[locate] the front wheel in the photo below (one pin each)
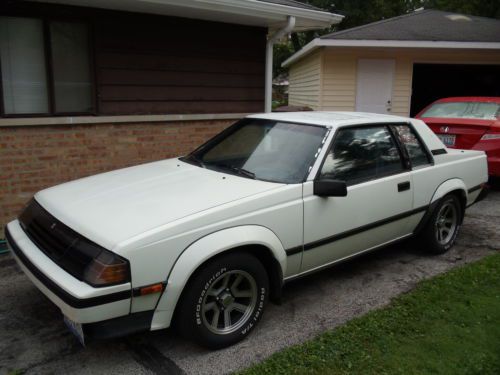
(224, 300)
(442, 229)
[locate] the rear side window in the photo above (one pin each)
(416, 151)
(362, 154)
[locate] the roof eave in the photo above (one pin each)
(409, 44)
(273, 15)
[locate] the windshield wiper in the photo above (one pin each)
(239, 171)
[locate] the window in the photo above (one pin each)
(416, 152)
(362, 154)
(263, 149)
(45, 67)
(24, 81)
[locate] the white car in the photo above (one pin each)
(203, 241)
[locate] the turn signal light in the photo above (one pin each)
(107, 269)
(156, 288)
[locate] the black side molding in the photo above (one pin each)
(439, 151)
(473, 189)
(483, 194)
(352, 232)
(294, 250)
(57, 290)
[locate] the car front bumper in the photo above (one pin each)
(77, 300)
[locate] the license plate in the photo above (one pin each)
(76, 329)
(447, 139)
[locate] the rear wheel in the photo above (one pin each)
(224, 300)
(442, 229)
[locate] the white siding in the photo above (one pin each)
(305, 82)
(339, 71)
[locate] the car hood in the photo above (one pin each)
(111, 207)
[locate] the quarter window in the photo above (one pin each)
(416, 152)
(45, 67)
(362, 154)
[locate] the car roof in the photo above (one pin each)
(330, 119)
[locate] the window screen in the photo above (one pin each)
(70, 59)
(22, 58)
(34, 83)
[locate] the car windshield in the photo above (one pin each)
(262, 149)
(471, 110)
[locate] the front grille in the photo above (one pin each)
(63, 245)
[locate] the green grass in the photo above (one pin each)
(447, 325)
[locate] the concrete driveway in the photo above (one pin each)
(34, 340)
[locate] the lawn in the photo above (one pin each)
(447, 325)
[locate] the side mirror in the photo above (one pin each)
(330, 188)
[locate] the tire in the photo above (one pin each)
(441, 231)
(224, 300)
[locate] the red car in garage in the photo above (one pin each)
(467, 123)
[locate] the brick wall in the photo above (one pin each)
(33, 158)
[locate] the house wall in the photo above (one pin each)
(34, 158)
(146, 70)
(149, 64)
(339, 73)
(305, 81)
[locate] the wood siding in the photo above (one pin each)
(305, 82)
(336, 90)
(147, 64)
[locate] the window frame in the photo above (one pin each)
(405, 162)
(46, 21)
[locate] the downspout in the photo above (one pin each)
(268, 97)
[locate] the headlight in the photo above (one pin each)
(107, 269)
(77, 255)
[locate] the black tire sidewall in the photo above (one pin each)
(429, 235)
(190, 320)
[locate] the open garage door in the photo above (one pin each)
(436, 81)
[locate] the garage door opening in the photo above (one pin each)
(436, 81)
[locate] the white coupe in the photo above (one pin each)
(202, 242)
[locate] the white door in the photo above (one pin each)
(378, 203)
(374, 85)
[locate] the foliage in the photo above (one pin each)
(447, 325)
(361, 12)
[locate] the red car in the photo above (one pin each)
(467, 123)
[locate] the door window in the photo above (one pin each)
(362, 154)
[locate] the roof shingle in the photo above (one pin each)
(426, 25)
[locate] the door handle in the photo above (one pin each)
(402, 186)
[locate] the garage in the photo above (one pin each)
(399, 65)
(435, 81)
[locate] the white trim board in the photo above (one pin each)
(247, 12)
(317, 43)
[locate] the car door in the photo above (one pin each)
(374, 212)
